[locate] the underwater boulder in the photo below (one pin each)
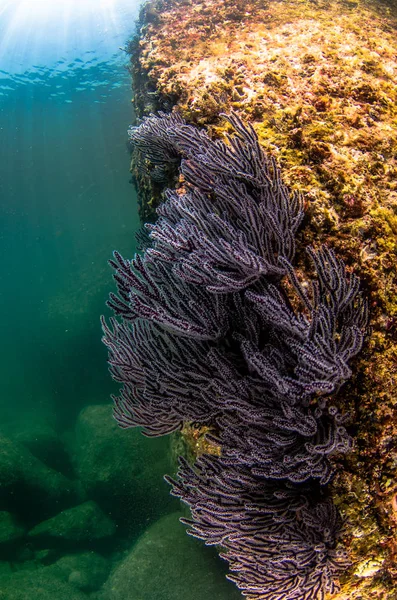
(37, 431)
(22, 476)
(46, 556)
(121, 470)
(45, 444)
(160, 566)
(86, 571)
(38, 584)
(84, 526)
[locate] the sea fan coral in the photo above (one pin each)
(218, 329)
(280, 539)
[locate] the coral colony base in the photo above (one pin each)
(217, 328)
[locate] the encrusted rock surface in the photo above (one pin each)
(319, 83)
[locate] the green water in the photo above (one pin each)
(66, 204)
(84, 509)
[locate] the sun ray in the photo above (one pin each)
(37, 32)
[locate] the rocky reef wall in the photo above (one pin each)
(318, 81)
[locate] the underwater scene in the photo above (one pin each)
(198, 229)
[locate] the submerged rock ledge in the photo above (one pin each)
(319, 84)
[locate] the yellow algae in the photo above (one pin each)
(368, 568)
(196, 443)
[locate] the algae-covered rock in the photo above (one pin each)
(167, 564)
(122, 470)
(82, 525)
(37, 585)
(86, 571)
(23, 476)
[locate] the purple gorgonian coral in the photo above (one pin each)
(215, 326)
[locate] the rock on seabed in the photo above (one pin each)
(167, 564)
(37, 585)
(22, 476)
(120, 469)
(82, 525)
